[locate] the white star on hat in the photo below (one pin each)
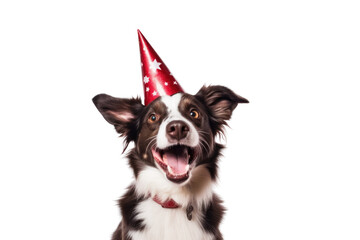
(154, 93)
(155, 65)
(166, 83)
(147, 89)
(146, 79)
(175, 83)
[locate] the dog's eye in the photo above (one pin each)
(153, 118)
(194, 114)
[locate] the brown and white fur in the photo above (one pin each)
(175, 157)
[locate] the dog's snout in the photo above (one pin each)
(177, 130)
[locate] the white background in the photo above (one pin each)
(291, 167)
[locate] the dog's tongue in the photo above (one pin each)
(178, 161)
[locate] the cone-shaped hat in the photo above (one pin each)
(157, 78)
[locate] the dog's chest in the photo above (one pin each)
(164, 224)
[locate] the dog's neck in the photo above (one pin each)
(198, 191)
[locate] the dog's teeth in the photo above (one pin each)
(187, 167)
(169, 169)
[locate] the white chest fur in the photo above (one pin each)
(165, 224)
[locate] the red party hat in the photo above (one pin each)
(157, 78)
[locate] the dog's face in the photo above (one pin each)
(174, 134)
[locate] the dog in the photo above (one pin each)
(174, 161)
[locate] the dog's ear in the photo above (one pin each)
(221, 102)
(123, 113)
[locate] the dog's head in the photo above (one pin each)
(174, 134)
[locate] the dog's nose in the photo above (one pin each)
(177, 130)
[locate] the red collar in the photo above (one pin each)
(170, 203)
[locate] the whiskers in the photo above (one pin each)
(205, 142)
(152, 143)
(203, 149)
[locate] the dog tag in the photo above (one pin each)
(189, 216)
(189, 210)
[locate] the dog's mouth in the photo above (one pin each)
(176, 161)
